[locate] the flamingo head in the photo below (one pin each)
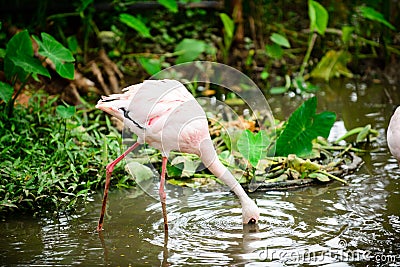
(250, 212)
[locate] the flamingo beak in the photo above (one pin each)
(252, 221)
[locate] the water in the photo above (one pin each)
(331, 225)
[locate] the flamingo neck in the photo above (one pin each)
(211, 161)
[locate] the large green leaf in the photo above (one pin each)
(303, 126)
(135, 24)
(189, 50)
(253, 146)
(29, 65)
(19, 45)
(318, 17)
(58, 54)
(372, 14)
(332, 64)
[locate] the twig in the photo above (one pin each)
(333, 176)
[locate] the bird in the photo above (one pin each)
(166, 116)
(393, 134)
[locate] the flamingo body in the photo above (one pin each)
(393, 134)
(163, 114)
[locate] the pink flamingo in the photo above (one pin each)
(393, 134)
(166, 116)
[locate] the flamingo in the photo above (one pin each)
(393, 134)
(163, 114)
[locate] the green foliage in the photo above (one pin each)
(253, 146)
(171, 5)
(280, 40)
(346, 34)
(40, 170)
(6, 92)
(84, 4)
(187, 164)
(189, 50)
(135, 24)
(20, 63)
(140, 172)
(65, 112)
(229, 30)
(372, 14)
(274, 51)
(363, 134)
(151, 65)
(229, 25)
(58, 54)
(333, 64)
(19, 60)
(303, 126)
(318, 17)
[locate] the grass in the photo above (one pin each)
(48, 163)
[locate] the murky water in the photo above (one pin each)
(332, 225)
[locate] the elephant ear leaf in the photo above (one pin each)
(303, 126)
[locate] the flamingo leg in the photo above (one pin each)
(162, 193)
(109, 170)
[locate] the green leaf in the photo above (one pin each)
(58, 54)
(274, 51)
(303, 126)
(278, 90)
(318, 17)
(2, 53)
(363, 134)
(19, 45)
(151, 65)
(73, 44)
(253, 146)
(332, 64)
(65, 112)
(189, 50)
(372, 14)
(83, 5)
(139, 171)
(346, 33)
(304, 86)
(320, 176)
(264, 74)
(30, 65)
(6, 91)
(229, 25)
(171, 5)
(190, 165)
(280, 40)
(135, 24)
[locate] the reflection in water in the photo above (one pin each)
(350, 225)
